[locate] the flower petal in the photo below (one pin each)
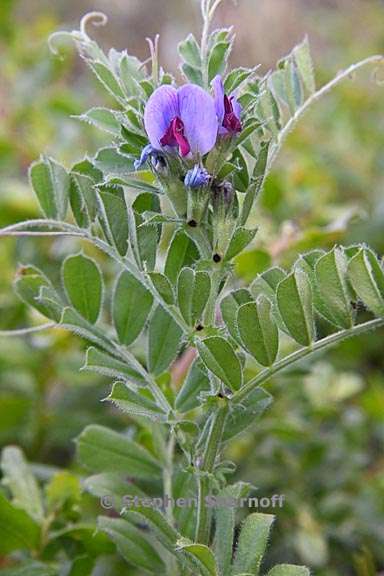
(237, 108)
(160, 110)
(197, 111)
(218, 91)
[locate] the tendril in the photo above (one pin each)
(95, 18)
(55, 37)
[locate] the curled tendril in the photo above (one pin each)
(54, 37)
(95, 18)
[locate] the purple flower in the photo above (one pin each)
(183, 118)
(197, 177)
(228, 109)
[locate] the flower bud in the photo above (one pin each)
(197, 181)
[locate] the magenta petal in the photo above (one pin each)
(160, 110)
(198, 114)
(218, 91)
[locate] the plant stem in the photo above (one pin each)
(203, 481)
(327, 342)
(168, 493)
(210, 310)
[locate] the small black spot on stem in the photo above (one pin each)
(216, 258)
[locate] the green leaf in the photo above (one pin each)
(83, 199)
(307, 263)
(225, 517)
(219, 356)
(217, 59)
(131, 305)
(241, 176)
(266, 111)
(288, 69)
(115, 487)
(102, 363)
(134, 403)
(156, 521)
(18, 477)
(182, 252)
(235, 78)
(102, 450)
(29, 568)
(113, 212)
(108, 80)
(201, 554)
(194, 75)
(367, 279)
(131, 73)
(289, 570)
(189, 50)
(83, 285)
(246, 414)
(63, 488)
(86, 168)
(196, 381)
(82, 566)
(51, 183)
(28, 285)
(193, 290)
(294, 300)
(276, 83)
(258, 331)
(102, 118)
(252, 543)
(131, 544)
(18, 530)
(72, 321)
(148, 239)
(111, 163)
(331, 277)
(162, 286)
(257, 183)
(229, 307)
(239, 240)
(303, 59)
(164, 340)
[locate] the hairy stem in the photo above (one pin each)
(29, 330)
(203, 481)
(323, 344)
(168, 494)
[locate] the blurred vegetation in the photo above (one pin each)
(321, 443)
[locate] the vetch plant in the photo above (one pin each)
(182, 175)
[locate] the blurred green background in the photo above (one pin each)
(321, 443)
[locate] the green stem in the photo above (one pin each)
(210, 310)
(323, 344)
(168, 494)
(203, 481)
